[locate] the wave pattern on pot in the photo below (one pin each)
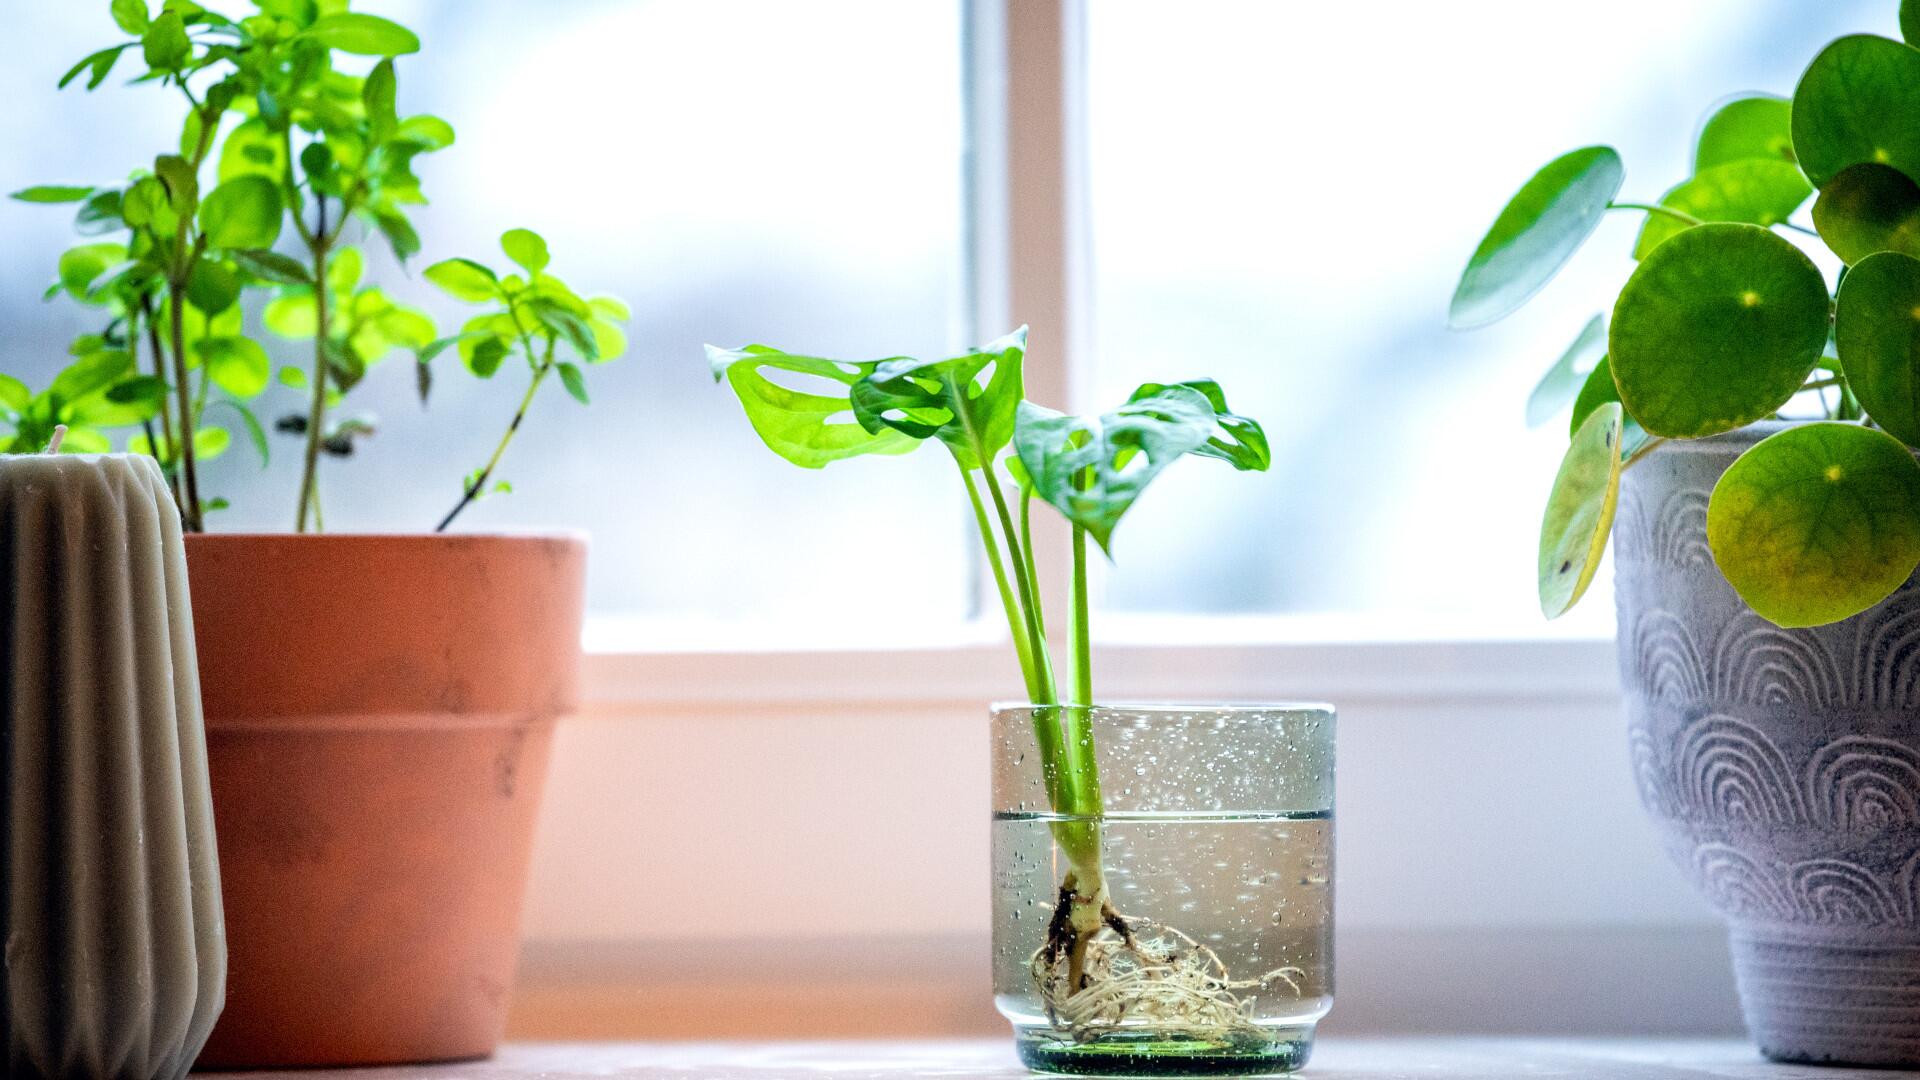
(1782, 768)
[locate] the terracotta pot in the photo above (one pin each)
(378, 715)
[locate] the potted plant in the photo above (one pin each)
(378, 707)
(1753, 425)
(1173, 918)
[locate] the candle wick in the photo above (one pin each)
(59, 433)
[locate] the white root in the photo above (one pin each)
(1162, 980)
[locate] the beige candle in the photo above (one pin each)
(115, 959)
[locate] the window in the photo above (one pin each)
(732, 168)
(1282, 196)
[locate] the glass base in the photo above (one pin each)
(1147, 1053)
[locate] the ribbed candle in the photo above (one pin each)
(115, 960)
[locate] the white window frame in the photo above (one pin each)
(1025, 237)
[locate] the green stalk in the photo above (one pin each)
(317, 411)
(1022, 646)
(479, 484)
(176, 297)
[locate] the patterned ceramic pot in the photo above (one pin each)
(1783, 770)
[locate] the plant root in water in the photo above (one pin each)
(1135, 973)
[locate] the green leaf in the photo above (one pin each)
(1091, 469)
(946, 399)
(1597, 391)
(1877, 327)
(525, 247)
(1540, 229)
(293, 377)
(575, 382)
(99, 214)
(84, 440)
(344, 269)
(255, 432)
(1563, 380)
(376, 96)
(14, 393)
(212, 287)
(91, 374)
(1573, 532)
(557, 319)
(486, 356)
(53, 193)
(83, 265)
(1856, 103)
(610, 307)
(164, 44)
(609, 341)
(292, 315)
(178, 179)
(141, 389)
(271, 266)
(426, 132)
(363, 35)
(1817, 523)
(803, 426)
(1757, 191)
(1717, 328)
(98, 64)
(211, 442)
(253, 149)
(1869, 208)
(1745, 128)
(1237, 440)
(1910, 22)
(244, 212)
(131, 16)
(237, 365)
(464, 279)
(399, 233)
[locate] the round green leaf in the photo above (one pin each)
(237, 365)
(213, 287)
(81, 266)
(292, 315)
(464, 279)
(526, 247)
(252, 149)
(1563, 380)
(243, 212)
(1745, 128)
(363, 35)
(1573, 533)
(1877, 326)
(1758, 191)
(1598, 391)
(1856, 103)
(1540, 229)
(1717, 328)
(211, 442)
(1910, 22)
(1869, 208)
(1818, 522)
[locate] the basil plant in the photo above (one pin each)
(291, 150)
(1725, 320)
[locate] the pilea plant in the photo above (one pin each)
(1726, 321)
(1091, 469)
(292, 140)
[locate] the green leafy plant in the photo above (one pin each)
(1726, 321)
(280, 144)
(1009, 451)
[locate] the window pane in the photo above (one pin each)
(1282, 197)
(736, 169)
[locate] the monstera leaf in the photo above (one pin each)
(967, 402)
(800, 425)
(1091, 469)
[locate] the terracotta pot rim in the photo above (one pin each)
(543, 536)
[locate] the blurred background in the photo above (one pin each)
(1279, 195)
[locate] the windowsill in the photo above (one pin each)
(637, 662)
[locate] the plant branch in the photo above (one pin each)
(1683, 218)
(1082, 636)
(317, 410)
(1022, 646)
(168, 448)
(1650, 446)
(479, 484)
(189, 471)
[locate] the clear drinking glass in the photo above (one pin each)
(1215, 836)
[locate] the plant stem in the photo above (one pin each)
(1796, 228)
(1028, 591)
(1650, 447)
(169, 448)
(1026, 549)
(317, 411)
(480, 482)
(1022, 646)
(1685, 219)
(190, 474)
(1082, 636)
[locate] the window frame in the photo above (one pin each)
(1025, 239)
